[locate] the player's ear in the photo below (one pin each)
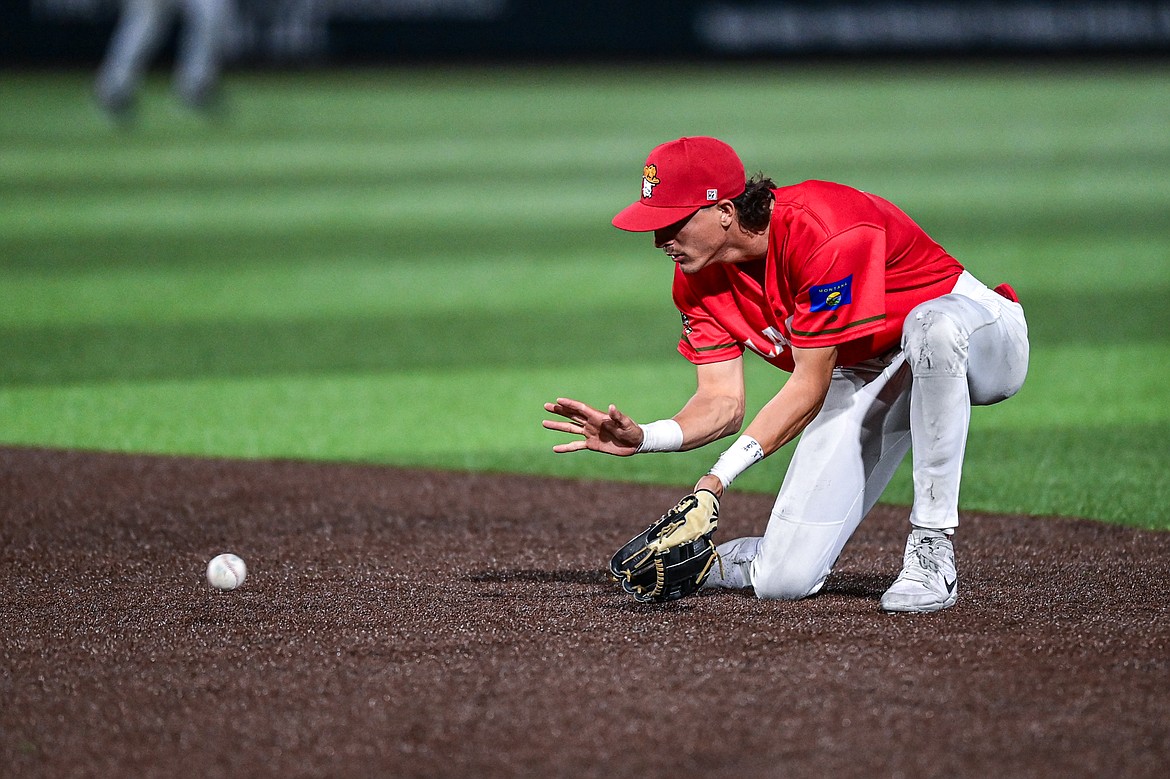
(727, 213)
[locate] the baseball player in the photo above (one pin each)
(142, 28)
(888, 339)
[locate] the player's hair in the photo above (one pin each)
(754, 207)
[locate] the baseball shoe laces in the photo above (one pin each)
(928, 581)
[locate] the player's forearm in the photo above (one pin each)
(777, 423)
(787, 414)
(798, 402)
(707, 418)
(780, 420)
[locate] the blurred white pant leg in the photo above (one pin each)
(141, 29)
(202, 47)
(842, 464)
(967, 348)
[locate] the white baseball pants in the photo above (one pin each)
(143, 28)
(963, 349)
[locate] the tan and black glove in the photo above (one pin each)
(671, 558)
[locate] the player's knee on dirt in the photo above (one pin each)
(935, 343)
(789, 582)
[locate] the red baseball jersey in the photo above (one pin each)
(844, 268)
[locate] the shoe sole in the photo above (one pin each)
(920, 608)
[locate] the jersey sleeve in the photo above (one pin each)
(703, 339)
(839, 291)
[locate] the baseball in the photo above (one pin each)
(226, 572)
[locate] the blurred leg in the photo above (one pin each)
(140, 31)
(201, 50)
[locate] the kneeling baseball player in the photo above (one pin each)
(889, 342)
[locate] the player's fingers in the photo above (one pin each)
(620, 420)
(581, 413)
(554, 409)
(570, 407)
(572, 446)
(562, 427)
(564, 410)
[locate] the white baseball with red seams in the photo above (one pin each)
(226, 572)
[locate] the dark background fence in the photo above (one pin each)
(74, 32)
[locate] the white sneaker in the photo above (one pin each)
(733, 569)
(928, 581)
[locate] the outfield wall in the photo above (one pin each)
(64, 32)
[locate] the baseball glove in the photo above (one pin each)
(671, 558)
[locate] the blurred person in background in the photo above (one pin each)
(142, 28)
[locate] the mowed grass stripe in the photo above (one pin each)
(400, 266)
(344, 287)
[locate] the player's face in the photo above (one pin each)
(695, 242)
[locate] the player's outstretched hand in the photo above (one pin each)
(611, 432)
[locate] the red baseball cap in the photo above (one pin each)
(681, 177)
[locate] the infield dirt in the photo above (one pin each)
(429, 624)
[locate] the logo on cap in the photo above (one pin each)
(712, 194)
(649, 180)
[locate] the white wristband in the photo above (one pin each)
(665, 435)
(743, 454)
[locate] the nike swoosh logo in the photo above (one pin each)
(950, 585)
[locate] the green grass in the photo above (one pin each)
(400, 266)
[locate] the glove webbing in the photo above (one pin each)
(660, 573)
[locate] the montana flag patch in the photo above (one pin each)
(829, 296)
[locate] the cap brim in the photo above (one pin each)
(638, 217)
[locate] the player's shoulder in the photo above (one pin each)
(816, 191)
(818, 209)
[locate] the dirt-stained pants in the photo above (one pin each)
(963, 349)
